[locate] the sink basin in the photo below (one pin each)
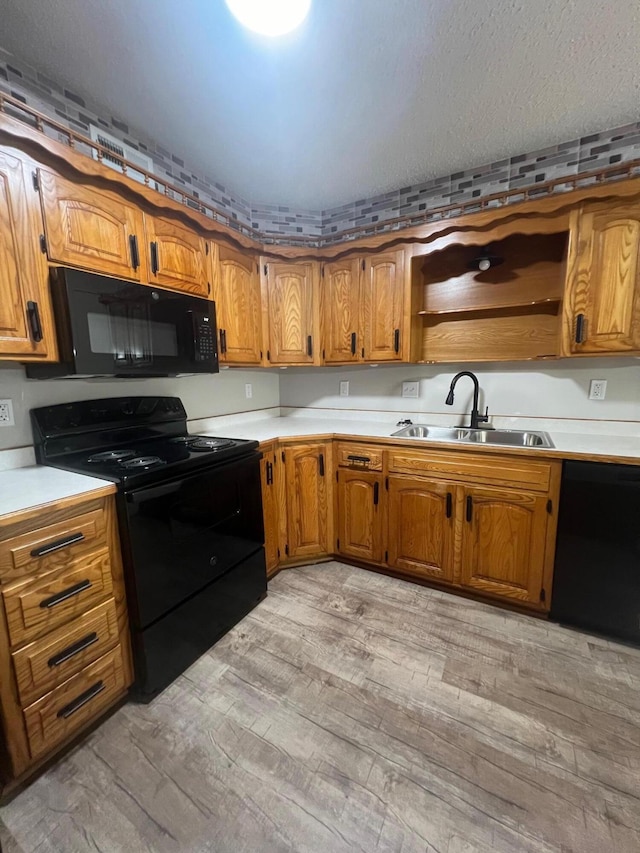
(505, 437)
(438, 433)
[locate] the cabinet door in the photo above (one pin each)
(421, 527)
(359, 515)
(383, 298)
(504, 543)
(307, 500)
(291, 308)
(177, 256)
(602, 313)
(236, 290)
(92, 229)
(340, 284)
(270, 510)
(26, 328)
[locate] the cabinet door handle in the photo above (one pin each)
(133, 251)
(321, 464)
(59, 597)
(363, 460)
(396, 340)
(57, 545)
(354, 338)
(580, 329)
(223, 340)
(269, 473)
(81, 700)
(72, 650)
(449, 504)
(155, 266)
(309, 346)
(469, 508)
(376, 493)
(33, 313)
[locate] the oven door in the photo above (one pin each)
(183, 535)
(125, 329)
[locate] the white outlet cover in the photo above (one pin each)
(597, 389)
(248, 390)
(6, 413)
(410, 389)
(344, 388)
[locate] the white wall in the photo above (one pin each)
(203, 396)
(549, 390)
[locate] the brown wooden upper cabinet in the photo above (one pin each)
(177, 256)
(291, 313)
(92, 229)
(236, 291)
(26, 326)
(363, 309)
(602, 305)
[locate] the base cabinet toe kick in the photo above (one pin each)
(479, 524)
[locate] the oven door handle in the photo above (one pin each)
(153, 492)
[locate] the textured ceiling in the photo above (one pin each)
(369, 96)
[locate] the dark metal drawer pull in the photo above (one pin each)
(449, 504)
(353, 343)
(73, 650)
(133, 251)
(396, 340)
(269, 473)
(469, 508)
(580, 329)
(81, 700)
(155, 265)
(57, 545)
(59, 597)
(364, 459)
(376, 493)
(309, 346)
(321, 464)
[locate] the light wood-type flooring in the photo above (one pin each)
(354, 712)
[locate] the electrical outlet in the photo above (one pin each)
(6, 413)
(344, 388)
(597, 389)
(410, 389)
(248, 390)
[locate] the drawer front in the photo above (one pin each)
(75, 703)
(359, 456)
(470, 468)
(36, 606)
(46, 663)
(54, 546)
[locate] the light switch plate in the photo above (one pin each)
(344, 388)
(248, 390)
(410, 389)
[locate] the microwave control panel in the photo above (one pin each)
(204, 336)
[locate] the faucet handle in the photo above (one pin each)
(483, 419)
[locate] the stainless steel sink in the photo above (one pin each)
(434, 432)
(505, 437)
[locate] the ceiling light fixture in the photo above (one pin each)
(270, 17)
(485, 260)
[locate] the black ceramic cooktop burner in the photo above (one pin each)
(111, 456)
(142, 462)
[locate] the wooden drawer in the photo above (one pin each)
(34, 607)
(75, 703)
(54, 546)
(46, 663)
(359, 456)
(470, 468)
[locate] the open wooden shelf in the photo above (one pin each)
(509, 312)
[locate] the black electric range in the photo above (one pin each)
(190, 519)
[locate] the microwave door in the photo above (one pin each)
(118, 326)
(140, 337)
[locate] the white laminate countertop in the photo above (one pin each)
(566, 444)
(26, 488)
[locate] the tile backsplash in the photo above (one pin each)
(279, 223)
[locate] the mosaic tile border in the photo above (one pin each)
(382, 212)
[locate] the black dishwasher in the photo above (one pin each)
(597, 570)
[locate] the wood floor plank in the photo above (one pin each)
(355, 712)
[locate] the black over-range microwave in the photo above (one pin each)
(109, 327)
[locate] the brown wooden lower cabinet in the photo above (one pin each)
(480, 522)
(420, 527)
(64, 636)
(504, 543)
(359, 522)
